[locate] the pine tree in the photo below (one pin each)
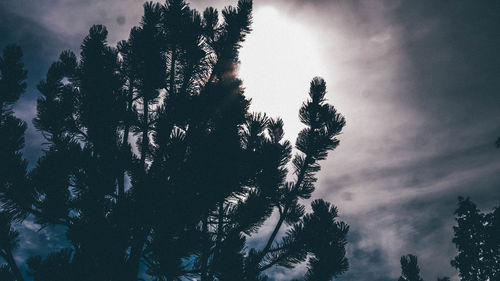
(9, 241)
(13, 166)
(56, 267)
(154, 162)
(410, 270)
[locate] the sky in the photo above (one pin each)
(417, 81)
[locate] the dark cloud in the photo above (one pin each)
(421, 93)
(368, 262)
(40, 48)
(121, 20)
(453, 47)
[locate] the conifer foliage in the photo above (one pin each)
(13, 167)
(155, 166)
(410, 271)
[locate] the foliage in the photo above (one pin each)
(56, 267)
(13, 167)
(477, 238)
(410, 271)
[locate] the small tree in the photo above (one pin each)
(9, 240)
(410, 271)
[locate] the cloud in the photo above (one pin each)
(418, 84)
(40, 47)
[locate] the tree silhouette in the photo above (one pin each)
(13, 167)
(477, 241)
(56, 267)
(468, 236)
(5, 273)
(9, 239)
(410, 271)
(154, 164)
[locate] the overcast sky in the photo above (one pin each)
(418, 82)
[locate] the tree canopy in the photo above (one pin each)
(155, 166)
(477, 238)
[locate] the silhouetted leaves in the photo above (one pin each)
(13, 75)
(326, 251)
(9, 238)
(410, 271)
(55, 267)
(13, 182)
(12, 173)
(477, 238)
(6, 273)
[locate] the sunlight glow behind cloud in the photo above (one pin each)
(278, 60)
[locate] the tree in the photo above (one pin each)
(410, 270)
(13, 166)
(9, 240)
(492, 243)
(468, 238)
(153, 160)
(477, 241)
(56, 267)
